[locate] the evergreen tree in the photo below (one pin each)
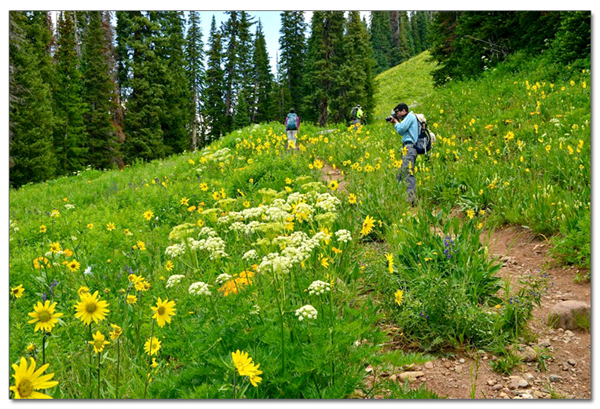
(69, 131)
(573, 38)
(442, 46)
(381, 40)
(241, 117)
(110, 56)
(238, 61)
(325, 56)
(39, 32)
(262, 78)
(99, 94)
(142, 88)
(404, 37)
(395, 55)
(170, 61)
(423, 19)
(277, 107)
(467, 43)
(414, 30)
(214, 96)
(245, 52)
(124, 32)
(293, 46)
(230, 35)
(30, 129)
(355, 74)
(196, 76)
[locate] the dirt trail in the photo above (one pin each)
(568, 368)
(329, 174)
(568, 362)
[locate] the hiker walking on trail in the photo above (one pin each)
(357, 115)
(407, 126)
(292, 124)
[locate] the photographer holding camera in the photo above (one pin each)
(406, 124)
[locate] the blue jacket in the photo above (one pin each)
(408, 128)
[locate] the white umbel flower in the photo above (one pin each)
(318, 287)
(222, 278)
(343, 236)
(308, 311)
(174, 280)
(199, 288)
(250, 255)
(175, 250)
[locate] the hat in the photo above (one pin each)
(358, 105)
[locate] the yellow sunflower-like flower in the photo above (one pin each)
(169, 265)
(116, 332)
(367, 226)
(99, 342)
(148, 215)
(333, 185)
(83, 290)
(245, 367)
(73, 265)
(390, 259)
(352, 198)
(55, 247)
(163, 311)
(152, 346)
(91, 308)
(44, 316)
(28, 380)
(139, 284)
(131, 299)
(43, 229)
(398, 295)
(17, 291)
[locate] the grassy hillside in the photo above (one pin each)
(247, 239)
(408, 82)
(515, 144)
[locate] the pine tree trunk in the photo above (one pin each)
(395, 28)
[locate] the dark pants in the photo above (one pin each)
(407, 172)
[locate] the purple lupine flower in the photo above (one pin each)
(44, 296)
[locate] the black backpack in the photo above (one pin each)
(353, 113)
(423, 144)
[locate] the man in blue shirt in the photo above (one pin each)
(408, 129)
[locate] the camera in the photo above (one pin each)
(393, 116)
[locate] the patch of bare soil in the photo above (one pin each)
(329, 174)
